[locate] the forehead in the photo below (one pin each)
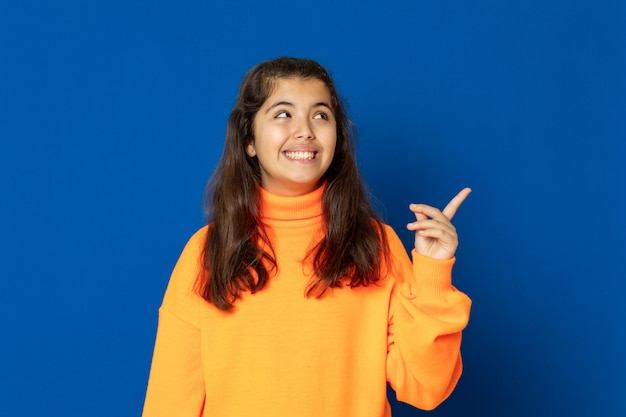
(295, 88)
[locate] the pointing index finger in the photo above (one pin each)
(456, 202)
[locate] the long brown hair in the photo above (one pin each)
(355, 243)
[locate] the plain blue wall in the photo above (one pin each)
(112, 115)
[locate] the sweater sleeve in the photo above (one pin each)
(176, 383)
(426, 317)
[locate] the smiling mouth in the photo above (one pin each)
(301, 155)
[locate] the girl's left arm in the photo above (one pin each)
(427, 313)
(426, 317)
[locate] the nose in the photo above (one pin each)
(304, 130)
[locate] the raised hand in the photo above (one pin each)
(435, 236)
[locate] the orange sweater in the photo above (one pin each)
(283, 354)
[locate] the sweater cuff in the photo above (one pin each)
(432, 277)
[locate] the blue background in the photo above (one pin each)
(112, 117)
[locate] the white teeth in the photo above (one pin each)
(300, 155)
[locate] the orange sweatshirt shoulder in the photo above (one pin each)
(181, 297)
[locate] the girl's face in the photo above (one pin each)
(295, 133)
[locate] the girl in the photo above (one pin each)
(296, 300)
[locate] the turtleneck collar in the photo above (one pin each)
(277, 207)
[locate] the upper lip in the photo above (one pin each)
(301, 149)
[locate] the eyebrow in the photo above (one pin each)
(290, 104)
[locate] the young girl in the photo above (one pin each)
(296, 300)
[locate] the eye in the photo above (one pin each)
(321, 115)
(282, 114)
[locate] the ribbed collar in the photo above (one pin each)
(276, 207)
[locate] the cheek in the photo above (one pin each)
(329, 153)
(331, 144)
(269, 135)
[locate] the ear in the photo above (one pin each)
(250, 150)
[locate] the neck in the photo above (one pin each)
(279, 207)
